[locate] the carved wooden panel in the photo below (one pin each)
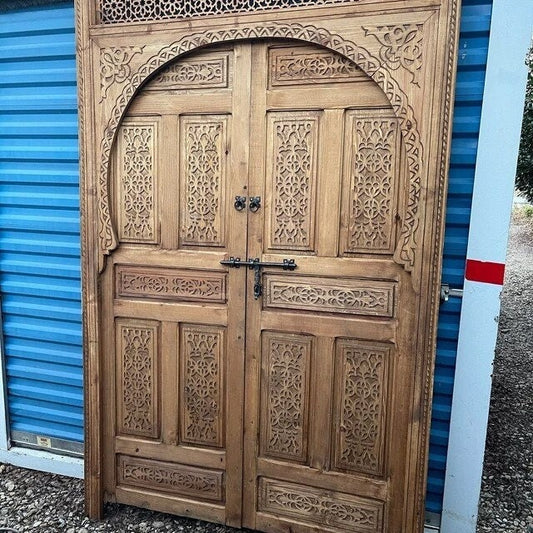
(326, 508)
(371, 167)
(203, 170)
(285, 395)
(291, 179)
(202, 385)
(305, 65)
(137, 378)
(356, 296)
(137, 186)
(361, 401)
(183, 480)
(170, 284)
(209, 72)
(112, 12)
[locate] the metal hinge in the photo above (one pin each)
(446, 292)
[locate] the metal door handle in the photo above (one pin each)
(240, 203)
(255, 203)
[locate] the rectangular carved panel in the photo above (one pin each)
(371, 167)
(202, 385)
(306, 65)
(203, 170)
(136, 175)
(198, 73)
(291, 179)
(356, 296)
(170, 284)
(361, 383)
(137, 378)
(284, 395)
(326, 508)
(183, 480)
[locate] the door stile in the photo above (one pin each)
(239, 176)
(256, 224)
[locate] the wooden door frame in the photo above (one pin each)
(115, 61)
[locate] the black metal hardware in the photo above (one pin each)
(240, 203)
(256, 265)
(255, 203)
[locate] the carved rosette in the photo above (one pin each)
(406, 250)
(401, 46)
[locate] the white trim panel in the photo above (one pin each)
(43, 461)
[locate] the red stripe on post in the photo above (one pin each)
(485, 271)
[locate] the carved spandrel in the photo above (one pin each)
(361, 392)
(202, 385)
(115, 65)
(183, 480)
(284, 396)
(299, 66)
(371, 170)
(167, 284)
(199, 73)
(136, 182)
(137, 381)
(293, 141)
(323, 507)
(204, 159)
(357, 297)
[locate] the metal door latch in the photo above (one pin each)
(256, 265)
(447, 292)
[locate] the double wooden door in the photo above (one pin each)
(286, 410)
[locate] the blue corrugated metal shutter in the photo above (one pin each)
(473, 45)
(39, 222)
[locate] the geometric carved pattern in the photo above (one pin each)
(293, 180)
(179, 479)
(286, 361)
(202, 386)
(401, 46)
(193, 74)
(204, 148)
(323, 507)
(357, 297)
(372, 156)
(117, 11)
(175, 285)
(137, 187)
(137, 398)
(360, 411)
(314, 66)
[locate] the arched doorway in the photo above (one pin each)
(273, 391)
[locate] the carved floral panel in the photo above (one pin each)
(284, 395)
(299, 66)
(324, 508)
(137, 379)
(371, 169)
(202, 385)
(183, 480)
(136, 182)
(357, 297)
(203, 169)
(360, 411)
(292, 178)
(170, 284)
(200, 73)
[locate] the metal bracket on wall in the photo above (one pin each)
(447, 292)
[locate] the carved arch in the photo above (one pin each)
(405, 253)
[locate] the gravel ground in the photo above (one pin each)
(44, 503)
(507, 491)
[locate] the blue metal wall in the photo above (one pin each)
(39, 222)
(39, 239)
(473, 46)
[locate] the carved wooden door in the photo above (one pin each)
(329, 345)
